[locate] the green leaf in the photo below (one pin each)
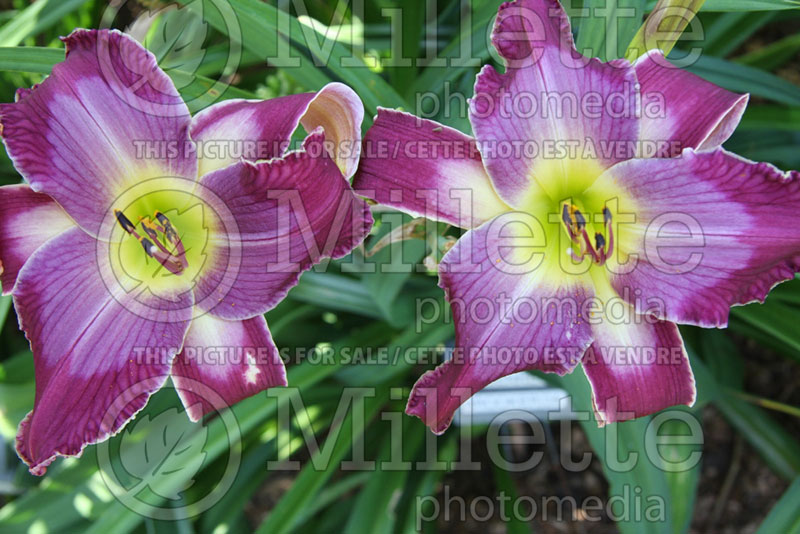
(197, 90)
(663, 27)
(721, 356)
(333, 492)
(176, 38)
(770, 117)
(110, 515)
(419, 491)
(404, 351)
(310, 481)
(744, 5)
(336, 292)
(621, 443)
(682, 483)
(16, 401)
(785, 515)
(776, 146)
(264, 29)
(200, 92)
(776, 320)
(776, 446)
(176, 524)
(773, 55)
(506, 485)
(410, 16)
(5, 306)
(750, 5)
(36, 18)
(728, 31)
(464, 54)
(744, 79)
(33, 59)
(389, 269)
(373, 512)
(251, 475)
(63, 504)
(609, 28)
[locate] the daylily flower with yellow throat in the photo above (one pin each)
(600, 211)
(147, 243)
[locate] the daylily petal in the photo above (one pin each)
(509, 316)
(99, 352)
(554, 115)
(683, 109)
(637, 367)
(22, 92)
(252, 130)
(426, 169)
(287, 214)
(712, 231)
(106, 118)
(27, 221)
(232, 359)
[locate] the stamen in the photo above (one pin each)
(567, 220)
(124, 222)
(149, 248)
(580, 220)
(609, 231)
(169, 262)
(170, 233)
(589, 247)
(152, 230)
(149, 228)
(152, 244)
(575, 223)
(599, 241)
(575, 257)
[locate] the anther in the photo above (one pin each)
(169, 231)
(588, 247)
(599, 241)
(149, 248)
(600, 247)
(567, 220)
(149, 228)
(152, 230)
(124, 222)
(580, 220)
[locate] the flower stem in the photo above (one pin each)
(768, 403)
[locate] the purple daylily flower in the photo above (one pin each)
(147, 243)
(600, 211)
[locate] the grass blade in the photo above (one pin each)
(785, 515)
(744, 79)
(36, 18)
